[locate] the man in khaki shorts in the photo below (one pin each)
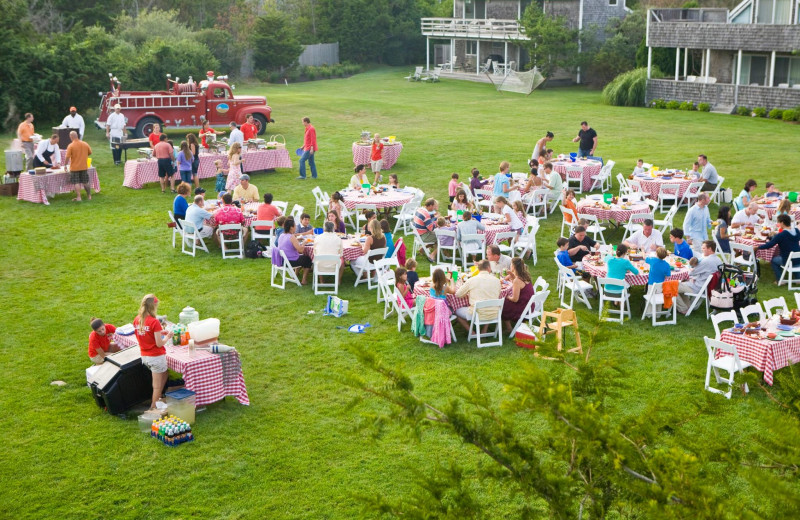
(78, 153)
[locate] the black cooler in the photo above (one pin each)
(121, 382)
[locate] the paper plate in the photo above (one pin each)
(784, 327)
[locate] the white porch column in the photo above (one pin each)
(685, 61)
(739, 68)
(505, 55)
(477, 57)
(677, 62)
(708, 63)
(649, 60)
(772, 70)
(452, 55)
(427, 53)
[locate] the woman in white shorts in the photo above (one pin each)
(152, 338)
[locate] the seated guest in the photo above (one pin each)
(659, 268)
(279, 222)
(387, 232)
(747, 195)
(336, 203)
(784, 207)
(533, 181)
(100, 342)
(706, 267)
(694, 172)
(442, 285)
(461, 203)
(180, 204)
(305, 227)
(498, 261)
(196, 214)
(424, 224)
(375, 240)
(394, 182)
(295, 252)
(509, 215)
(569, 203)
(546, 156)
(723, 222)
(245, 191)
(580, 244)
(618, 267)
(338, 225)
(710, 177)
(359, 178)
(267, 211)
(682, 247)
(639, 167)
(502, 182)
(370, 215)
(481, 287)
(772, 191)
(476, 183)
(788, 242)
(401, 284)
(645, 239)
(411, 267)
(329, 243)
(747, 217)
(554, 182)
(521, 292)
(230, 214)
(563, 254)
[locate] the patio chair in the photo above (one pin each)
(367, 274)
(744, 256)
(526, 243)
(654, 303)
(538, 203)
(594, 227)
(191, 240)
(419, 244)
(321, 201)
(359, 211)
(281, 267)
(622, 298)
(403, 311)
(487, 68)
(565, 224)
(319, 272)
(500, 240)
(281, 205)
(482, 200)
(453, 248)
(753, 309)
(404, 218)
(578, 288)
(721, 317)
(414, 76)
(603, 179)
(575, 178)
(176, 229)
(730, 363)
(268, 235)
(533, 311)
(477, 323)
(690, 195)
(663, 225)
(231, 242)
(668, 192)
(702, 294)
(634, 224)
(297, 210)
(791, 271)
(432, 77)
(540, 284)
(716, 195)
(472, 245)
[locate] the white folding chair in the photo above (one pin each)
(654, 306)
(576, 286)
(386, 286)
(665, 224)
(635, 189)
(691, 193)
(668, 192)
(176, 230)
(555, 202)
(281, 205)
(268, 235)
(778, 304)
(594, 227)
(446, 235)
(729, 362)
(538, 203)
(702, 294)
(231, 243)
(565, 223)
(191, 240)
(575, 179)
(540, 284)
(527, 241)
(532, 312)
(472, 245)
(477, 323)
(402, 310)
(404, 218)
(297, 210)
(725, 257)
(419, 244)
(359, 211)
(624, 188)
(716, 195)
(721, 317)
(367, 273)
(484, 199)
(744, 256)
(320, 202)
(281, 267)
(321, 271)
(602, 180)
(791, 271)
(750, 310)
(506, 236)
(621, 298)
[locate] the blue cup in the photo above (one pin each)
(317, 230)
(477, 216)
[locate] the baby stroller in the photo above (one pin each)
(733, 288)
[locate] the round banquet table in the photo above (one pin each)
(770, 206)
(599, 271)
(383, 200)
(422, 288)
(492, 229)
(610, 212)
(761, 254)
(589, 168)
(350, 250)
(362, 152)
(249, 211)
(652, 185)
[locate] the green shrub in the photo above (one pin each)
(760, 112)
(627, 89)
(775, 113)
(311, 73)
(673, 105)
(704, 107)
(658, 103)
(789, 115)
(686, 105)
(274, 77)
(743, 111)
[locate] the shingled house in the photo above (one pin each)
(746, 55)
(485, 35)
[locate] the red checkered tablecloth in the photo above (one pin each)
(391, 152)
(771, 207)
(211, 376)
(386, 199)
(453, 302)
(599, 271)
(765, 355)
(350, 252)
(761, 254)
(652, 185)
(37, 188)
(139, 173)
(614, 212)
(588, 170)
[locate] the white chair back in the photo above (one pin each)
(230, 240)
(728, 361)
(722, 317)
(326, 266)
(477, 323)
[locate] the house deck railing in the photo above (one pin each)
(488, 29)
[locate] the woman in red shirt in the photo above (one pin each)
(100, 340)
(206, 130)
(151, 340)
(376, 158)
(155, 135)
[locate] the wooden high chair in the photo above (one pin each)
(564, 318)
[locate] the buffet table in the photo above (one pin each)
(362, 153)
(139, 172)
(383, 200)
(37, 188)
(588, 167)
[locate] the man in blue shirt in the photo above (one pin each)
(682, 248)
(659, 268)
(710, 177)
(707, 266)
(195, 215)
(788, 242)
(697, 222)
(502, 184)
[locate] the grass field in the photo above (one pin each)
(292, 454)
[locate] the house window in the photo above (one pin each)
(612, 3)
(754, 70)
(787, 71)
(475, 9)
(472, 48)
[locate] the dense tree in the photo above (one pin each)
(552, 44)
(275, 45)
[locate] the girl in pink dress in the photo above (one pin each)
(234, 166)
(401, 282)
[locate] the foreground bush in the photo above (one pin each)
(743, 111)
(775, 113)
(704, 107)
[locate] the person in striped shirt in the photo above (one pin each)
(425, 222)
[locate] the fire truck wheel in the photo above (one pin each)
(145, 126)
(261, 123)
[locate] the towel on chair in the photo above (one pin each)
(418, 321)
(401, 252)
(441, 322)
(670, 290)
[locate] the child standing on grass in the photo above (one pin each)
(221, 176)
(411, 276)
(452, 188)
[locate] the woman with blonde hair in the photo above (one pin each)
(234, 166)
(152, 338)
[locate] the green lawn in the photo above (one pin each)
(292, 453)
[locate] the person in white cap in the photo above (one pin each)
(209, 79)
(74, 121)
(115, 130)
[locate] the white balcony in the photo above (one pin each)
(460, 28)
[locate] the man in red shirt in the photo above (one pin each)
(230, 214)
(268, 212)
(249, 129)
(100, 341)
(155, 135)
(309, 147)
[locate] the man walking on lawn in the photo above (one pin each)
(309, 147)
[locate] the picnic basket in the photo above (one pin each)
(275, 144)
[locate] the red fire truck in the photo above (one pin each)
(183, 105)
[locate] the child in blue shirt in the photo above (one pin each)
(618, 267)
(563, 254)
(682, 247)
(221, 176)
(659, 268)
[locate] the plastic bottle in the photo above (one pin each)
(191, 348)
